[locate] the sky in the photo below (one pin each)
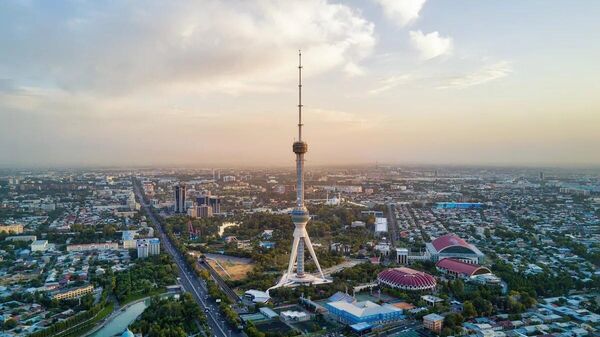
(205, 83)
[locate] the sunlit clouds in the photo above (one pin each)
(215, 83)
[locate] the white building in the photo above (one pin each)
(294, 316)
(39, 245)
(257, 296)
(129, 241)
(142, 249)
(383, 248)
(154, 246)
(358, 224)
(148, 247)
(381, 225)
(402, 256)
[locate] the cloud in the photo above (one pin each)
(352, 69)
(402, 12)
(200, 46)
(390, 83)
(430, 45)
(486, 74)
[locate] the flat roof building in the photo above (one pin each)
(39, 245)
(73, 293)
(93, 246)
(363, 312)
(433, 322)
(15, 229)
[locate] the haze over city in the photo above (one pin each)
(313, 168)
(208, 82)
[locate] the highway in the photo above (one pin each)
(392, 224)
(188, 279)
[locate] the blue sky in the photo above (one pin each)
(213, 83)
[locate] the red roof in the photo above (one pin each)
(460, 267)
(407, 278)
(448, 240)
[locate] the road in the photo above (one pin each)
(398, 329)
(344, 265)
(393, 224)
(188, 279)
(224, 287)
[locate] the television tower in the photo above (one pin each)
(300, 216)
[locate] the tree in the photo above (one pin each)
(87, 301)
(9, 324)
(108, 230)
(469, 310)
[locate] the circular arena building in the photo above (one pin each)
(406, 279)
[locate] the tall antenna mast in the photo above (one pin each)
(299, 95)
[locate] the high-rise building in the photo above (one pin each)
(142, 249)
(402, 256)
(148, 247)
(154, 246)
(204, 211)
(179, 191)
(212, 201)
(192, 212)
(296, 274)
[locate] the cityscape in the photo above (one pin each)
(220, 233)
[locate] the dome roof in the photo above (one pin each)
(449, 240)
(461, 267)
(127, 333)
(407, 278)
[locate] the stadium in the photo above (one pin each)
(452, 246)
(406, 279)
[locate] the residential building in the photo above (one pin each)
(14, 229)
(142, 249)
(39, 245)
(93, 246)
(73, 293)
(433, 322)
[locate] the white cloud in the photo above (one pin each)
(205, 45)
(352, 69)
(390, 83)
(486, 74)
(402, 12)
(430, 45)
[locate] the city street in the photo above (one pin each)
(190, 281)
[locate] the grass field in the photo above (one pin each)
(235, 270)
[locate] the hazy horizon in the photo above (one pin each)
(407, 82)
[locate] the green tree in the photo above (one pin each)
(469, 310)
(9, 324)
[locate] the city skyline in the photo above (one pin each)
(89, 84)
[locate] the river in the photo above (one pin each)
(122, 320)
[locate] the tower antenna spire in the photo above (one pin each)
(300, 95)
